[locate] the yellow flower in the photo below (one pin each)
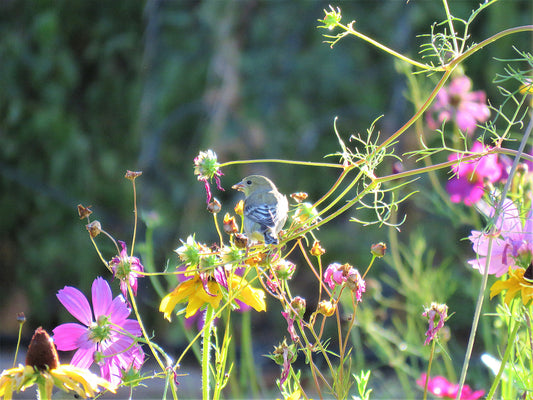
(44, 370)
(255, 298)
(193, 291)
(514, 284)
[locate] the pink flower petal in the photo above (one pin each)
(76, 304)
(68, 336)
(118, 310)
(83, 358)
(101, 295)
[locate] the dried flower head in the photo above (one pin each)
(299, 196)
(206, 167)
(229, 224)
(83, 211)
(378, 249)
(214, 206)
(131, 175)
(436, 315)
(94, 228)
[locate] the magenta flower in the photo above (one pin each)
(471, 176)
(512, 244)
(102, 336)
(443, 389)
(126, 269)
(456, 102)
(436, 313)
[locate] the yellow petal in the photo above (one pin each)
(246, 293)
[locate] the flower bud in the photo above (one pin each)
(230, 225)
(378, 249)
(284, 269)
(299, 196)
(327, 308)
(214, 206)
(299, 304)
(239, 208)
(131, 175)
(317, 249)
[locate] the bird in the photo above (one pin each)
(265, 209)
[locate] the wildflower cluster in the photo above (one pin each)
(266, 244)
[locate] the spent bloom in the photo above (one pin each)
(126, 268)
(471, 176)
(337, 274)
(458, 103)
(105, 334)
(440, 387)
(512, 240)
(43, 368)
(206, 167)
(436, 315)
(284, 355)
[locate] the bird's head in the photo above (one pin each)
(252, 183)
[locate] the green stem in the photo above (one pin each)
(248, 375)
(450, 24)
(349, 29)
(431, 355)
(206, 347)
(510, 346)
(275, 160)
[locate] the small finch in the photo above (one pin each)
(265, 209)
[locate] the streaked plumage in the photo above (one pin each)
(265, 209)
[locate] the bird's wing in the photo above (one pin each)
(264, 214)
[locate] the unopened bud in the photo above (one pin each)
(239, 208)
(317, 249)
(327, 308)
(378, 249)
(214, 206)
(299, 304)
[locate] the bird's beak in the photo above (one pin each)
(238, 186)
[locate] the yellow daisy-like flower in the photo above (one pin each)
(193, 291)
(514, 284)
(255, 298)
(66, 377)
(42, 368)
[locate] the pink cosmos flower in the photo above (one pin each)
(101, 336)
(126, 269)
(443, 389)
(512, 245)
(456, 102)
(471, 176)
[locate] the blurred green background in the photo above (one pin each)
(89, 89)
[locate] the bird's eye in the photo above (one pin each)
(248, 182)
